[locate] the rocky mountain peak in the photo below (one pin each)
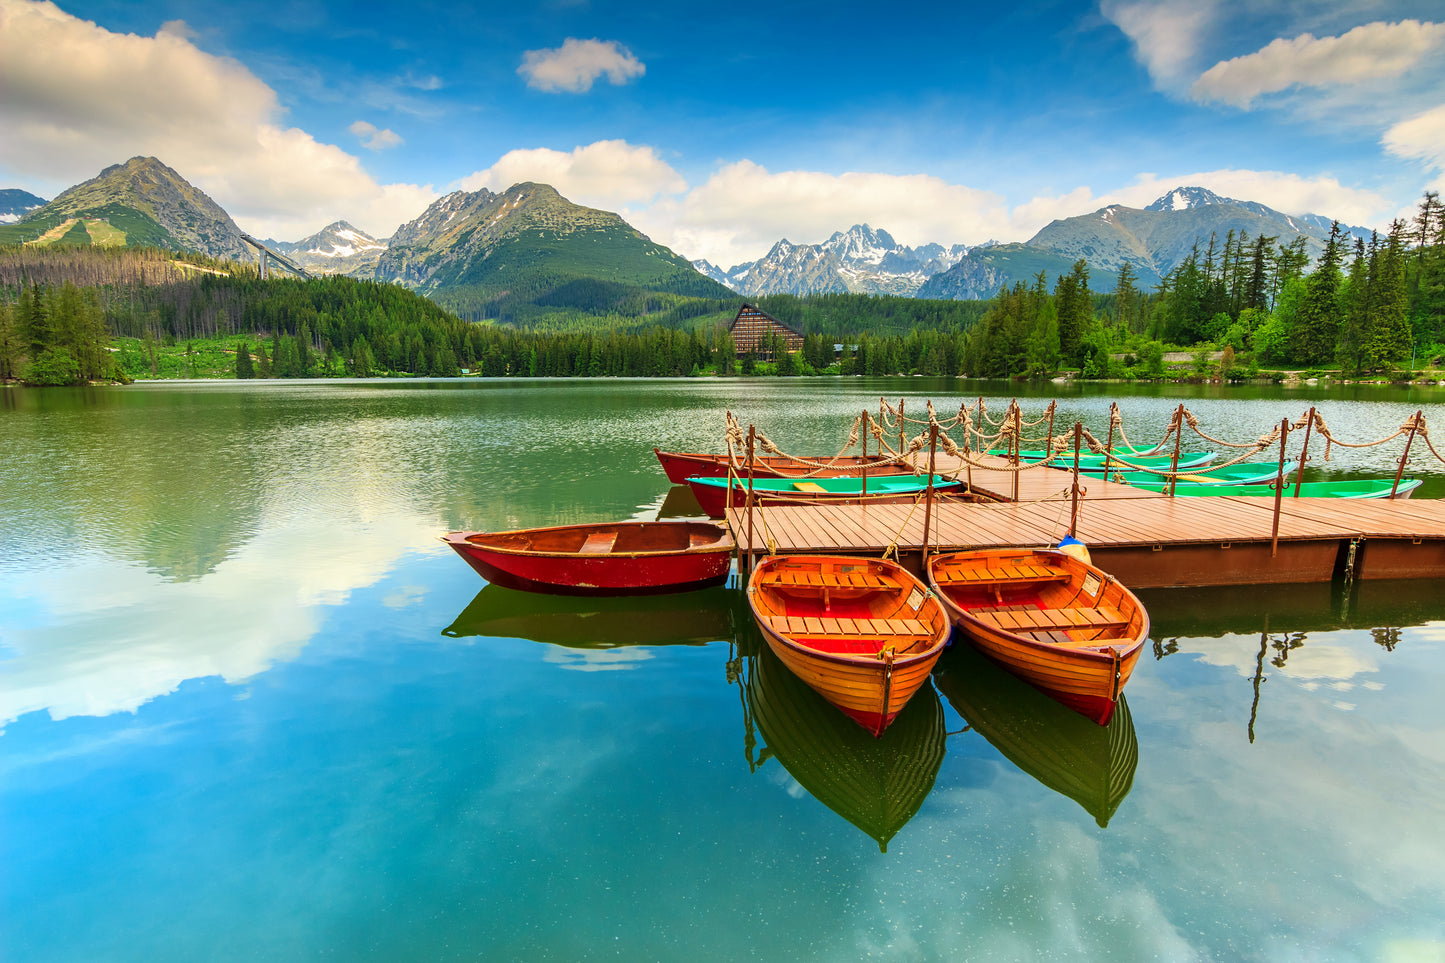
(1184, 198)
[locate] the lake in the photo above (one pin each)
(252, 708)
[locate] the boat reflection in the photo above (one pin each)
(1091, 764)
(680, 502)
(877, 784)
(579, 622)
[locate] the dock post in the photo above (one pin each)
(864, 470)
(1414, 426)
(902, 430)
(1074, 512)
(1109, 445)
(1278, 488)
(1304, 452)
(1018, 440)
(928, 493)
(1178, 441)
(752, 435)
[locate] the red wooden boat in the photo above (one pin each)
(682, 465)
(1054, 621)
(863, 632)
(611, 558)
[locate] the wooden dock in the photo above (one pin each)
(1145, 539)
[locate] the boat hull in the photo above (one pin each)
(1082, 667)
(1241, 474)
(662, 557)
(1324, 489)
(850, 671)
(713, 497)
(682, 465)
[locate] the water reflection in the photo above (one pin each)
(877, 784)
(1091, 764)
(684, 618)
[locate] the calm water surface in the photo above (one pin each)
(253, 709)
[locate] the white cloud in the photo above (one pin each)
(373, 138)
(1367, 52)
(609, 174)
(574, 66)
(1422, 138)
(743, 208)
(1166, 36)
(79, 98)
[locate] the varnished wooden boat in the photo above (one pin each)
(591, 622)
(1092, 765)
(877, 784)
(608, 558)
(1056, 622)
(863, 632)
(682, 465)
(712, 493)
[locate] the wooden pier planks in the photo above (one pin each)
(1312, 536)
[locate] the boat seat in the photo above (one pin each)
(598, 543)
(1012, 574)
(808, 486)
(1047, 620)
(846, 580)
(799, 625)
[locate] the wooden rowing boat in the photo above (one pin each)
(1241, 474)
(863, 632)
(682, 465)
(1053, 620)
(1098, 464)
(712, 493)
(1092, 765)
(609, 558)
(877, 784)
(1364, 488)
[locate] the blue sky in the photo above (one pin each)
(718, 130)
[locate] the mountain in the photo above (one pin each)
(139, 202)
(15, 204)
(859, 260)
(529, 250)
(1154, 239)
(337, 248)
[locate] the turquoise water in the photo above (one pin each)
(253, 709)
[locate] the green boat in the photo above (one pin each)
(1241, 474)
(1096, 464)
(1366, 488)
(1093, 765)
(877, 784)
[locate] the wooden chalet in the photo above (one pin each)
(753, 331)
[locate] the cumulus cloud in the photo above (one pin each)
(1365, 53)
(574, 66)
(743, 208)
(1421, 138)
(1166, 35)
(609, 174)
(79, 98)
(374, 139)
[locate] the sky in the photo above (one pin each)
(719, 129)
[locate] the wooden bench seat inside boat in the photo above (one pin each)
(808, 486)
(598, 543)
(1013, 574)
(1045, 620)
(807, 625)
(846, 580)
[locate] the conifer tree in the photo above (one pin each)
(1317, 321)
(245, 368)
